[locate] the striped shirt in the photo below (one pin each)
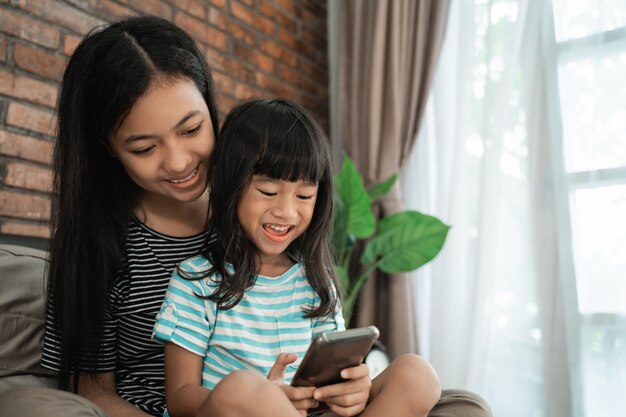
(267, 321)
(134, 301)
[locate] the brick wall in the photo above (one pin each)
(255, 47)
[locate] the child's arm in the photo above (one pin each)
(184, 393)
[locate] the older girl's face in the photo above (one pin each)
(165, 142)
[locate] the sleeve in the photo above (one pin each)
(185, 318)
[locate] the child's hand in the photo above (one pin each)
(300, 397)
(347, 398)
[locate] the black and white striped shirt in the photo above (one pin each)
(128, 349)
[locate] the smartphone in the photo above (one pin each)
(331, 352)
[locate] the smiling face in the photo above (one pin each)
(165, 142)
(273, 213)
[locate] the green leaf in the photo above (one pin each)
(383, 188)
(405, 241)
(344, 280)
(357, 202)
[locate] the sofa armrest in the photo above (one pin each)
(22, 310)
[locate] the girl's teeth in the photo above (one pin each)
(278, 228)
(186, 179)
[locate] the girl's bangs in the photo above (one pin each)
(295, 155)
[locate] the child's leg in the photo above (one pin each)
(245, 394)
(409, 387)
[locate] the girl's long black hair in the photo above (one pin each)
(277, 139)
(93, 196)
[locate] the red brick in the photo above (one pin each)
(28, 89)
(246, 15)
(308, 86)
(249, 3)
(61, 13)
(275, 86)
(305, 17)
(304, 48)
(218, 18)
(323, 93)
(229, 66)
(240, 33)
(281, 54)
(202, 32)
(111, 10)
(315, 7)
(220, 4)
(29, 177)
(322, 58)
(25, 229)
(244, 92)
(289, 6)
(276, 15)
(24, 206)
(153, 7)
(30, 118)
(25, 147)
(318, 110)
(225, 104)
(257, 59)
(195, 8)
(313, 71)
(216, 59)
(39, 62)
(223, 83)
(288, 38)
(289, 75)
(28, 29)
(70, 43)
(314, 39)
(3, 49)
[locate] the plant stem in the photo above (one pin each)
(353, 292)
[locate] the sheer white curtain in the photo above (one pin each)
(500, 310)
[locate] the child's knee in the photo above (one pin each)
(239, 389)
(415, 373)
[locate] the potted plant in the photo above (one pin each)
(400, 242)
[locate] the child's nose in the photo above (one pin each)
(285, 209)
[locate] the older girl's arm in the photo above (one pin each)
(100, 389)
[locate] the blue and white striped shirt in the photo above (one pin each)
(267, 321)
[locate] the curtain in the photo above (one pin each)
(499, 305)
(471, 168)
(386, 55)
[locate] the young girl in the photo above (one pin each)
(266, 286)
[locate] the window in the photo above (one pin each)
(588, 103)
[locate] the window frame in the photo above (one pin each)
(564, 184)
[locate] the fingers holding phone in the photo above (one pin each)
(277, 373)
(350, 397)
(300, 397)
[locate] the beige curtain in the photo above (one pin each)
(386, 56)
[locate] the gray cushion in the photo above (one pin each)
(22, 310)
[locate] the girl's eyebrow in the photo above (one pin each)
(134, 138)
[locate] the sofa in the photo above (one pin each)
(22, 309)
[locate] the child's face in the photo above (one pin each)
(165, 142)
(273, 213)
